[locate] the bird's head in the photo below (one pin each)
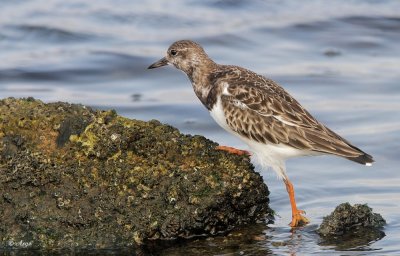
(184, 55)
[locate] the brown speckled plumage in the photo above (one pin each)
(260, 112)
(256, 107)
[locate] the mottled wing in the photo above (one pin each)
(261, 110)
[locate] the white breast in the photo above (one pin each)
(218, 114)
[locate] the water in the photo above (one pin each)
(340, 59)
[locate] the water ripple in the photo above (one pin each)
(340, 60)
(46, 34)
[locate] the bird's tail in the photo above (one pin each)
(356, 155)
(364, 158)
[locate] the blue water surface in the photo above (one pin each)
(340, 59)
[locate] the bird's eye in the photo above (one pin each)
(173, 52)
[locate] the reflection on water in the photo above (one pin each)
(359, 241)
(257, 239)
(341, 60)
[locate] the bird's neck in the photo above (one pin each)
(199, 77)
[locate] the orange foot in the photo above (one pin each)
(234, 150)
(298, 219)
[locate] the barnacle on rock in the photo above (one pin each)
(349, 226)
(78, 177)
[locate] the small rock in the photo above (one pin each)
(351, 226)
(346, 218)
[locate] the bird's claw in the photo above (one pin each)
(298, 219)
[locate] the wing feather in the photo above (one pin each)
(263, 111)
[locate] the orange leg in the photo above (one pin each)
(297, 218)
(233, 150)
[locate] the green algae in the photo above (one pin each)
(74, 177)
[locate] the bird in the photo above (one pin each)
(261, 113)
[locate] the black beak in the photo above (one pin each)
(159, 63)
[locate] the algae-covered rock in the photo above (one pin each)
(74, 177)
(346, 218)
(351, 226)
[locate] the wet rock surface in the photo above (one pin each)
(349, 226)
(73, 177)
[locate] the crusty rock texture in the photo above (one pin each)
(73, 177)
(351, 226)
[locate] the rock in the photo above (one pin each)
(351, 226)
(73, 177)
(346, 218)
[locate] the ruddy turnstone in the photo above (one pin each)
(260, 112)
